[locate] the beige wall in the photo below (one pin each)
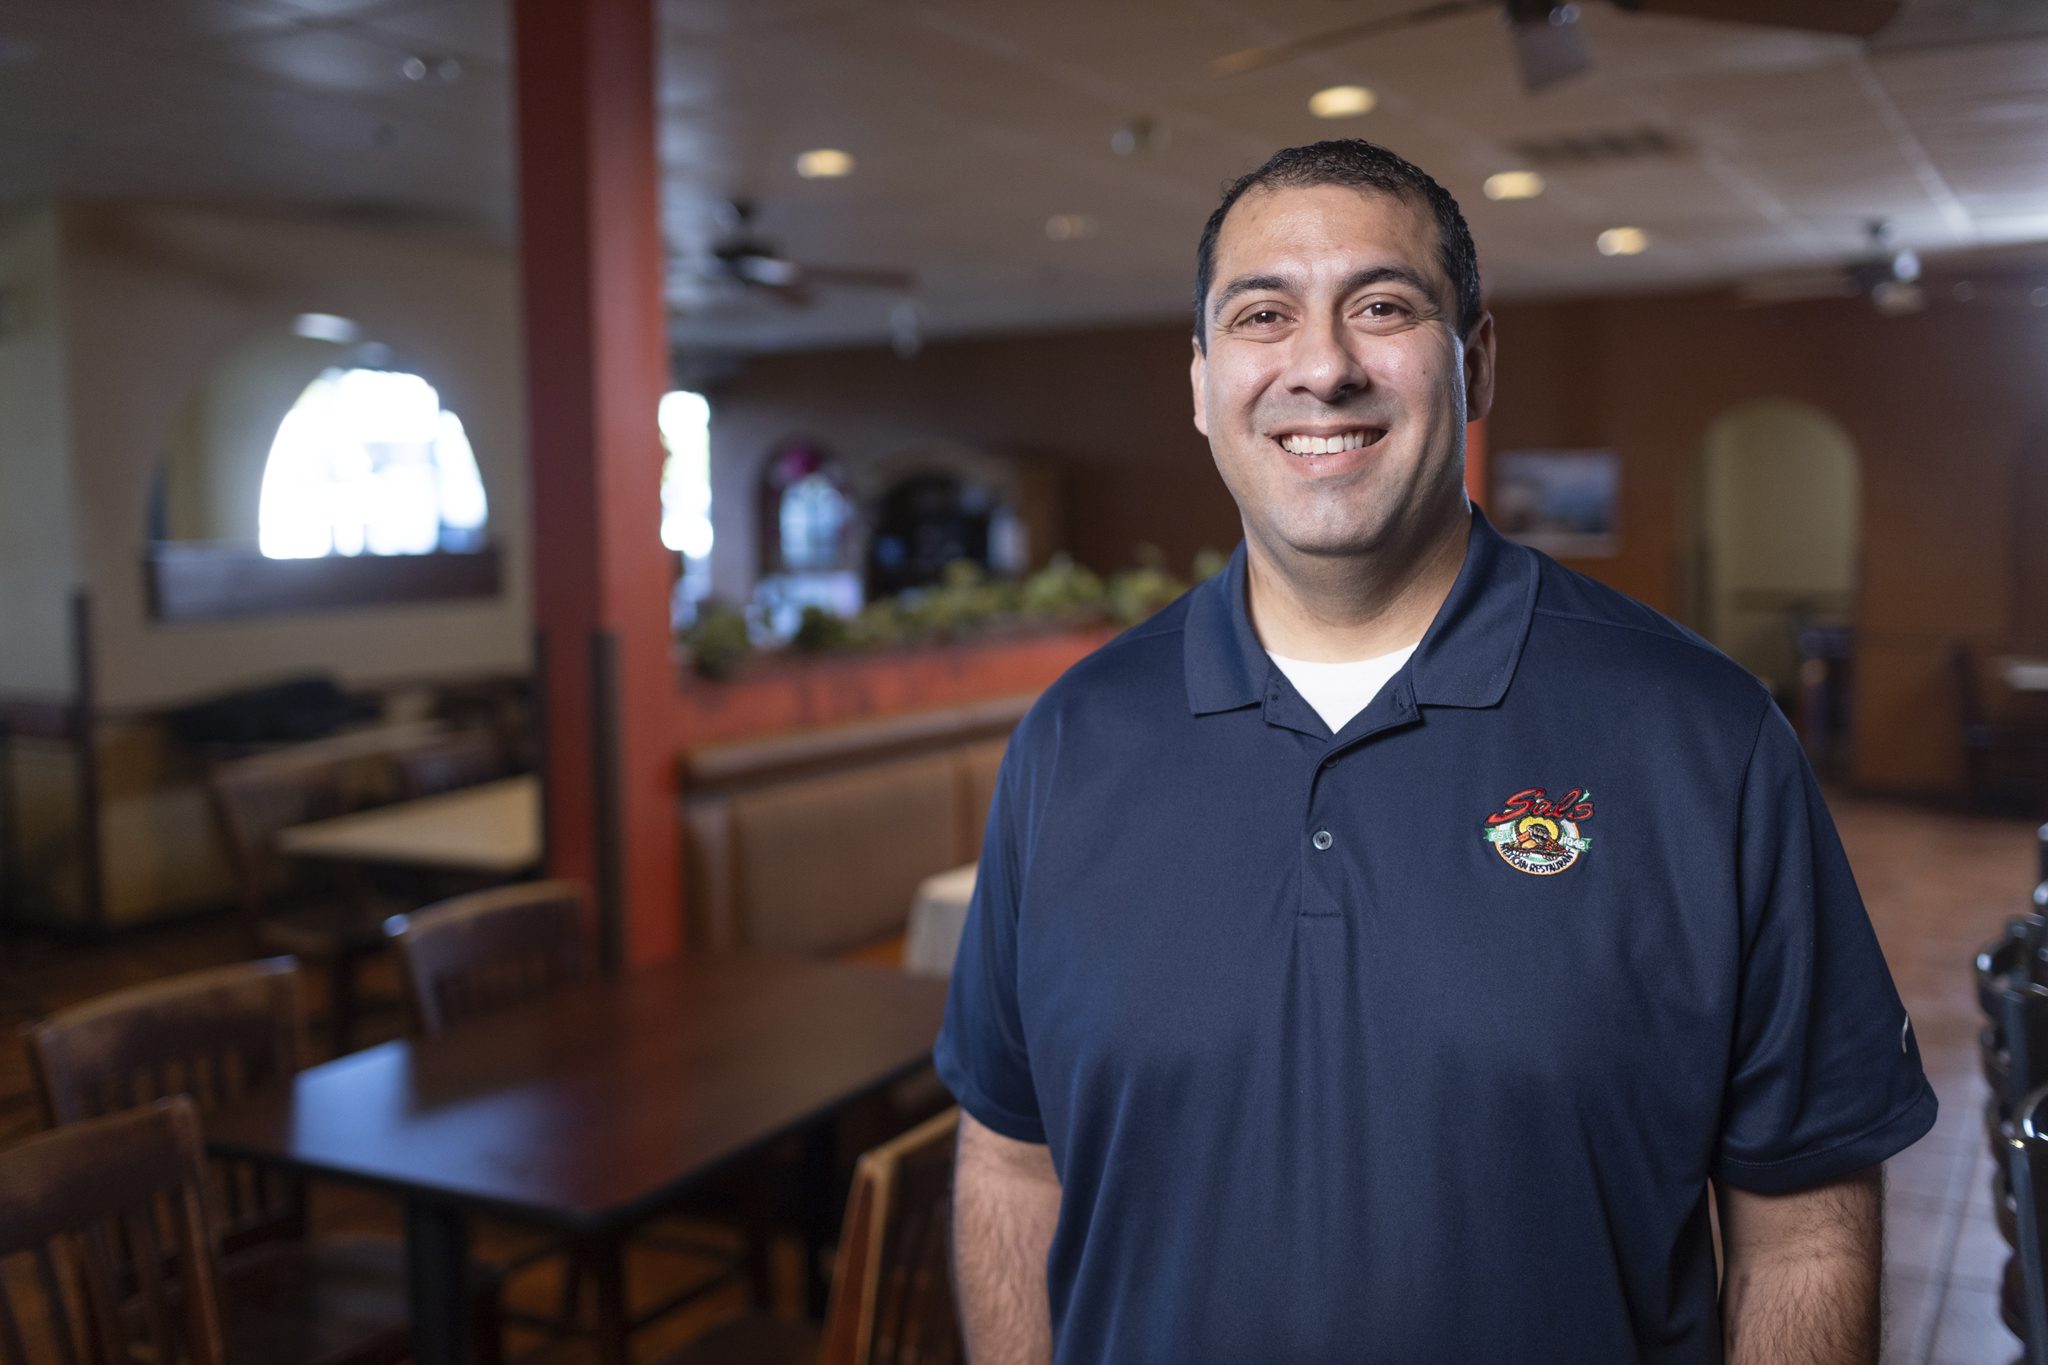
(155, 299)
(126, 321)
(1780, 504)
(38, 538)
(220, 442)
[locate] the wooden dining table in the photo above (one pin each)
(586, 1112)
(491, 828)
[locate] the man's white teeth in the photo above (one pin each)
(1324, 445)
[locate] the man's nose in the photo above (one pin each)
(1325, 363)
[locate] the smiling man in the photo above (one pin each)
(1377, 954)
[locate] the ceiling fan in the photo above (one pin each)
(744, 258)
(1889, 277)
(1547, 43)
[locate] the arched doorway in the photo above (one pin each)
(1780, 511)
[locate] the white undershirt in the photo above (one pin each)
(1340, 691)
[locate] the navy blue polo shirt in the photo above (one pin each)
(1419, 1042)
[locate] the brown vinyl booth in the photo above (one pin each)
(813, 844)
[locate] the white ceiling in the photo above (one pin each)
(974, 121)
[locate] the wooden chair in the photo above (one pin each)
(2025, 1162)
(474, 954)
(463, 759)
(217, 1035)
(106, 1225)
(325, 919)
(892, 1293)
(2000, 758)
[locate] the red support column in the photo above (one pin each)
(596, 366)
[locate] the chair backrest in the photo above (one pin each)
(892, 1293)
(2016, 1045)
(214, 1035)
(254, 798)
(2016, 950)
(2026, 1169)
(1962, 666)
(463, 759)
(481, 952)
(106, 1256)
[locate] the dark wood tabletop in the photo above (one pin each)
(597, 1105)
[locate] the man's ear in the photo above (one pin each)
(1479, 369)
(1198, 379)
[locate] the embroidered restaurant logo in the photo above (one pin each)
(1540, 836)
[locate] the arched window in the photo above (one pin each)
(813, 516)
(368, 461)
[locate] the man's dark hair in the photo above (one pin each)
(1357, 165)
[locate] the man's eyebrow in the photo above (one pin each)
(1371, 275)
(1399, 274)
(1249, 284)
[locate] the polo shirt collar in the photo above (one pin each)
(1467, 657)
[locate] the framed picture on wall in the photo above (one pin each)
(1565, 503)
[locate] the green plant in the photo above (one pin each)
(1063, 589)
(821, 632)
(717, 641)
(1138, 593)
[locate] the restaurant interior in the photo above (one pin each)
(525, 526)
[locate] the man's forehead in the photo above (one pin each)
(1343, 218)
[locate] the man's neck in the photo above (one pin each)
(1326, 609)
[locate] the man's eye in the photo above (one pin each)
(1263, 318)
(1380, 308)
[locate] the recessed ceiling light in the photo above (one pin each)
(1342, 101)
(1514, 185)
(824, 163)
(1065, 227)
(1623, 241)
(325, 327)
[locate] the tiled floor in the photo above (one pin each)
(1937, 885)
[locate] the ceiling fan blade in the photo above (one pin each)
(1252, 58)
(1860, 18)
(858, 277)
(1550, 49)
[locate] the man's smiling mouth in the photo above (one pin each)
(1298, 444)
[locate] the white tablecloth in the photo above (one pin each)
(937, 915)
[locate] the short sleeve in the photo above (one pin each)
(1826, 1075)
(981, 1054)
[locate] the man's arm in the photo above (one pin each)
(1800, 1284)
(1006, 1201)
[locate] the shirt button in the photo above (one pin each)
(1323, 839)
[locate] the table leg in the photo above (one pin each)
(437, 1281)
(821, 1220)
(607, 1260)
